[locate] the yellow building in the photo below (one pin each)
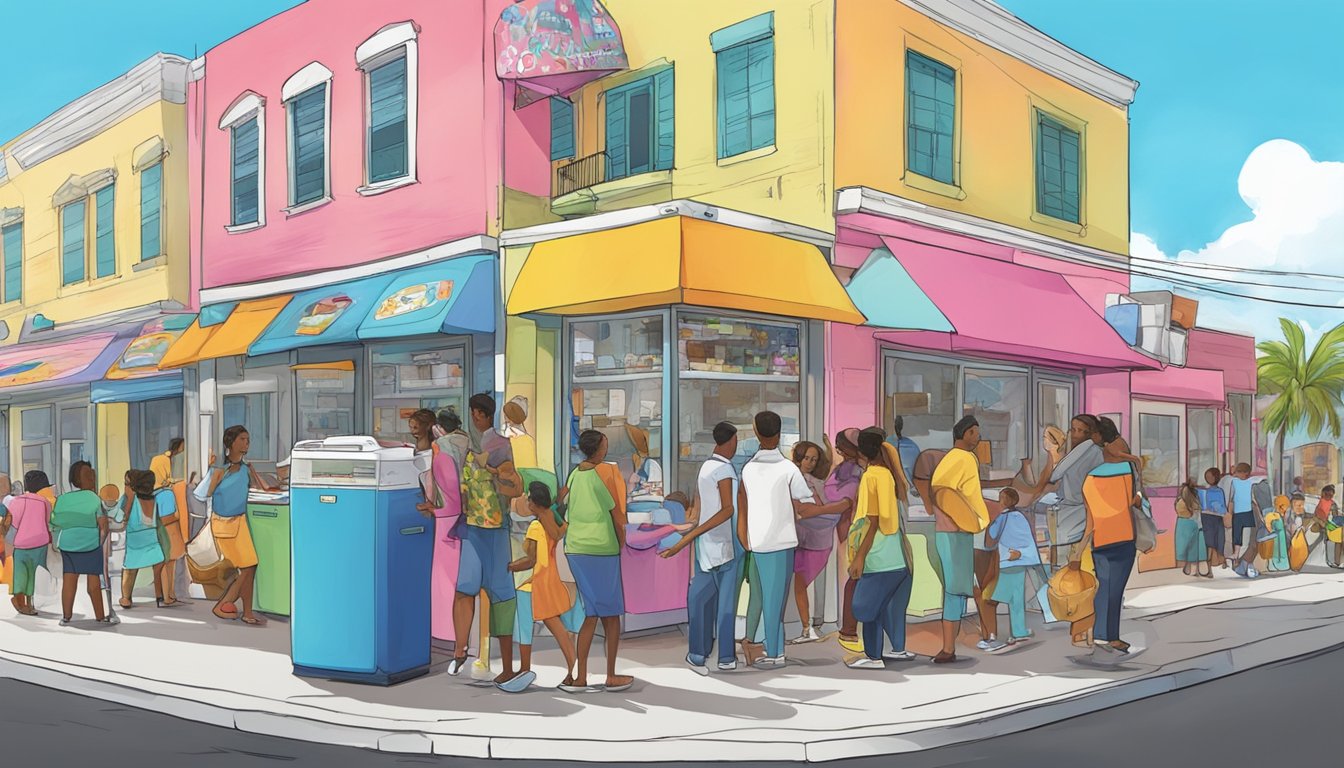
(95, 254)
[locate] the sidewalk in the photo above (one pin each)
(185, 663)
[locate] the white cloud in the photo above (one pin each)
(1296, 225)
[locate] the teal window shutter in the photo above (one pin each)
(151, 212)
(746, 96)
(562, 128)
(11, 242)
(930, 92)
(308, 151)
(1058, 171)
(387, 142)
(616, 134)
(245, 188)
(72, 242)
(664, 88)
(104, 241)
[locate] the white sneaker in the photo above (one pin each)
(728, 666)
(455, 666)
(985, 645)
(770, 662)
(863, 662)
(809, 635)
(899, 656)
(699, 669)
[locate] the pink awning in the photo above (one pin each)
(1196, 386)
(1004, 310)
(551, 47)
(76, 361)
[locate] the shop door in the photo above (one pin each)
(37, 436)
(1055, 406)
(75, 445)
(1159, 439)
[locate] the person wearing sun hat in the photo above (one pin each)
(524, 445)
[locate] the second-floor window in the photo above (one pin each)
(745, 63)
(387, 138)
(1059, 186)
(11, 247)
(74, 221)
(245, 172)
(104, 231)
(641, 125)
(308, 146)
(562, 128)
(151, 212)
(930, 115)
(87, 208)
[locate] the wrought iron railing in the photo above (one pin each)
(580, 174)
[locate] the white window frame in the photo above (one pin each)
(310, 76)
(246, 107)
(1155, 408)
(387, 44)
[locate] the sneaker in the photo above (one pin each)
(853, 646)
(863, 662)
(899, 656)
(698, 667)
(1104, 650)
(809, 635)
(1251, 573)
(111, 620)
(986, 645)
(728, 666)
(998, 648)
(769, 662)
(455, 666)
(65, 622)
(518, 683)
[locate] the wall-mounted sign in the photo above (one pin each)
(559, 41)
(142, 356)
(413, 298)
(318, 316)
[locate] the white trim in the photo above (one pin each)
(161, 77)
(293, 207)
(641, 214)
(196, 69)
(10, 216)
(242, 108)
(380, 187)
(308, 206)
(384, 40)
(245, 291)
(150, 152)
(991, 24)
(311, 75)
(404, 48)
(865, 200)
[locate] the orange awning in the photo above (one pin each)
(229, 338)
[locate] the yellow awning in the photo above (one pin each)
(229, 338)
(680, 260)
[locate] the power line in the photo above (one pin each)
(1240, 270)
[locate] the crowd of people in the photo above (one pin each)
(769, 526)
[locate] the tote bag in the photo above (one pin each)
(202, 549)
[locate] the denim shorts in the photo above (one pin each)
(484, 563)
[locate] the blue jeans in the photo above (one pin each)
(1012, 592)
(1114, 564)
(744, 577)
(711, 607)
(880, 601)
(774, 572)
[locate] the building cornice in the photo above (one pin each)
(852, 200)
(645, 213)
(994, 26)
(297, 283)
(161, 77)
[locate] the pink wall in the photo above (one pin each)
(1108, 393)
(1230, 353)
(853, 378)
(527, 147)
(457, 165)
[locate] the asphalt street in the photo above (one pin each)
(1275, 704)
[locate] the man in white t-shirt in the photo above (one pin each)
(772, 490)
(711, 599)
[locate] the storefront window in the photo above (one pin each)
(326, 403)
(618, 390)
(405, 381)
(924, 395)
(1160, 448)
(1200, 439)
(35, 431)
(1243, 446)
(1054, 408)
(154, 423)
(998, 400)
(253, 411)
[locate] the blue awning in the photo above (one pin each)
(136, 390)
(886, 294)
(327, 315)
(453, 296)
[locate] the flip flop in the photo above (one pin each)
(619, 688)
(518, 683)
(225, 615)
(252, 622)
(577, 688)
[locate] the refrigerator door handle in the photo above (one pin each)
(413, 530)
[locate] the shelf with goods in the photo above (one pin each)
(407, 381)
(326, 403)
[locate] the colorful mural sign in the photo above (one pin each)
(413, 298)
(318, 316)
(557, 45)
(142, 356)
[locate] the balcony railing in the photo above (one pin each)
(580, 174)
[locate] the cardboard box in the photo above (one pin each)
(1184, 312)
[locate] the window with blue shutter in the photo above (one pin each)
(11, 243)
(562, 128)
(151, 212)
(641, 126)
(72, 242)
(246, 153)
(1058, 173)
(745, 62)
(308, 146)
(388, 148)
(930, 114)
(104, 240)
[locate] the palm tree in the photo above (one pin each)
(1308, 388)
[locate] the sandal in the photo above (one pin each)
(226, 615)
(623, 683)
(125, 605)
(253, 621)
(167, 602)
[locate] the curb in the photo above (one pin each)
(781, 745)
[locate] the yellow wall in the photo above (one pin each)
(32, 189)
(114, 442)
(791, 181)
(996, 96)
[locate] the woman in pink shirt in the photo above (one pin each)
(30, 516)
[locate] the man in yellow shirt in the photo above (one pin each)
(162, 464)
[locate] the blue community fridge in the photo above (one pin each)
(361, 561)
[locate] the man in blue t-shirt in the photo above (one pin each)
(1243, 511)
(904, 446)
